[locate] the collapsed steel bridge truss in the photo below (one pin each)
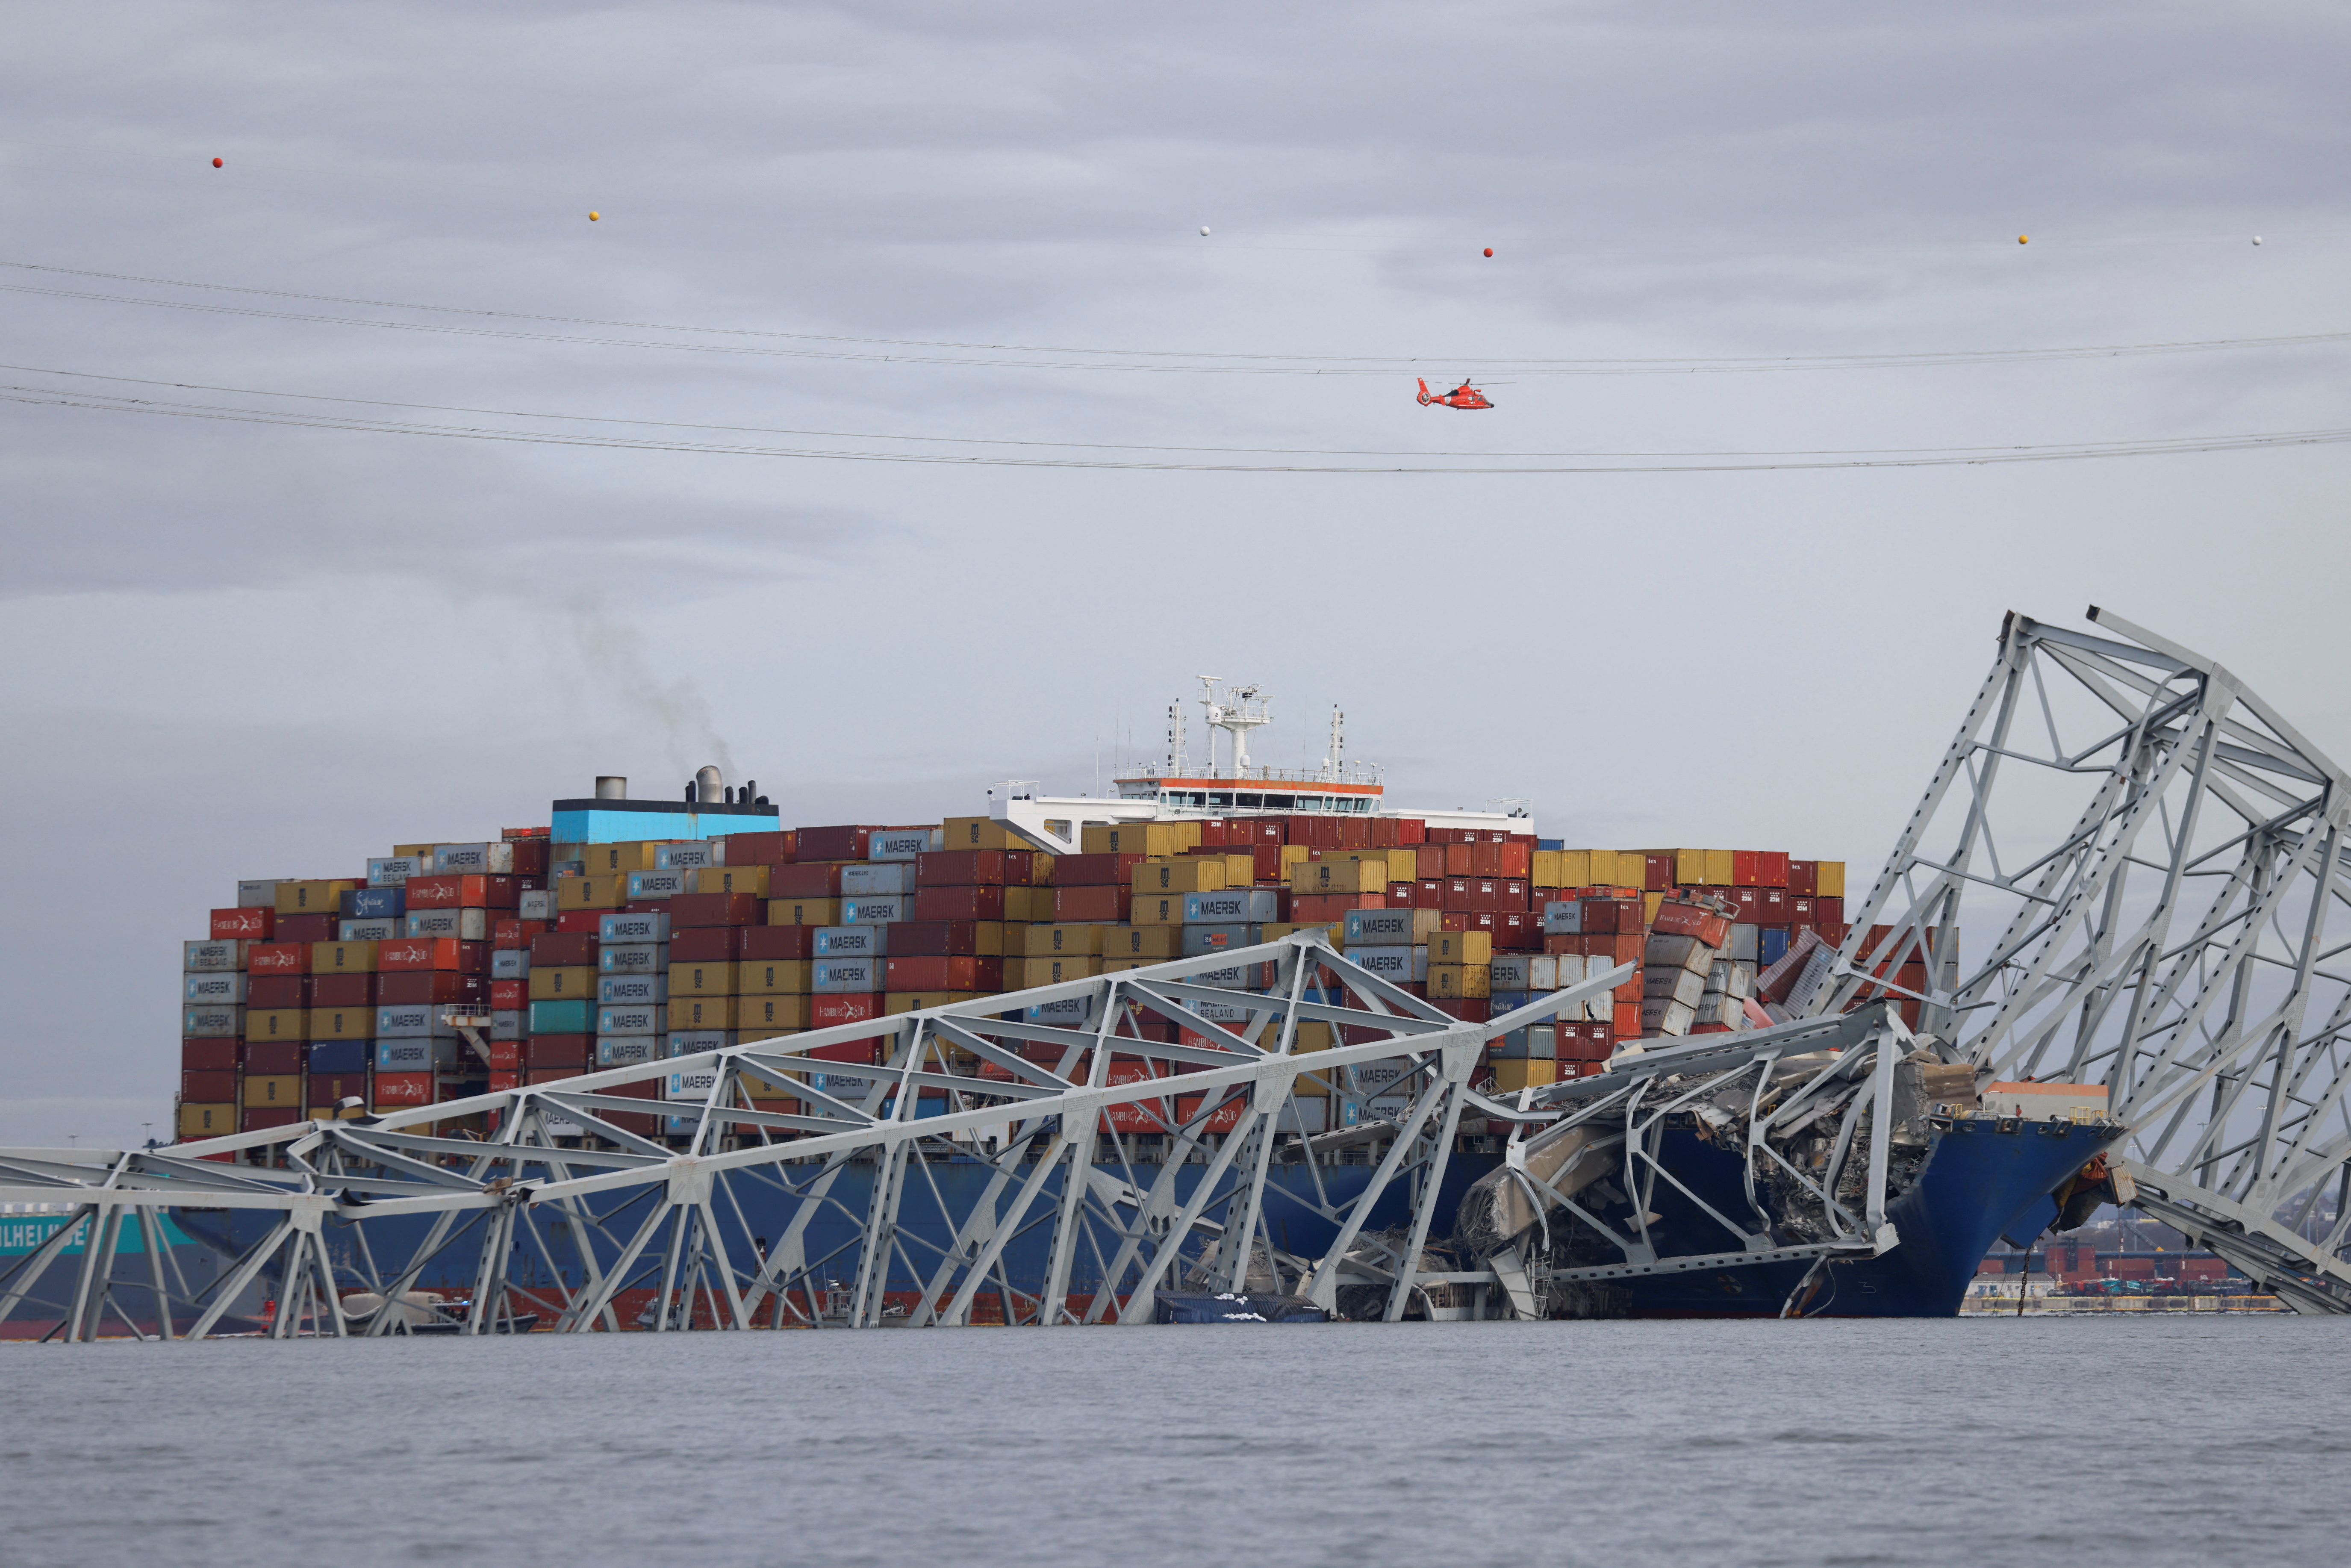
(2150, 865)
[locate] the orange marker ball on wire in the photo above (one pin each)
(1490, 250)
(217, 163)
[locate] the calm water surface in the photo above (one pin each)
(2007, 1442)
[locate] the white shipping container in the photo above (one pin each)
(387, 929)
(881, 910)
(840, 976)
(1677, 985)
(1663, 1015)
(636, 1018)
(1562, 917)
(393, 871)
(495, 859)
(899, 843)
(212, 1022)
(1570, 968)
(1379, 928)
(691, 856)
(1399, 965)
(850, 1088)
(626, 1050)
(1237, 906)
(1070, 1011)
(538, 903)
(465, 924)
(257, 894)
(1306, 1115)
(410, 1021)
(206, 956)
(218, 985)
(509, 1023)
(1734, 980)
(694, 1042)
(415, 1054)
(867, 878)
(1512, 972)
(510, 964)
(852, 941)
(620, 990)
(1542, 972)
(690, 1084)
(1745, 942)
(656, 884)
(640, 925)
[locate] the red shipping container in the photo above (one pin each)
(1224, 1119)
(433, 953)
(403, 1089)
(209, 1088)
(715, 943)
(1803, 877)
(261, 1121)
(305, 928)
(940, 972)
(1212, 832)
(1520, 930)
(973, 902)
(1401, 895)
(829, 1011)
(208, 1055)
(1629, 1019)
(1075, 903)
(537, 1075)
(1621, 947)
(509, 996)
(1457, 893)
(504, 1080)
(1744, 869)
(1829, 910)
(1770, 905)
(268, 1057)
(864, 1052)
(777, 942)
(1506, 859)
(342, 992)
(1771, 868)
(1457, 860)
(1563, 944)
(689, 910)
(831, 844)
(959, 868)
(1680, 919)
(514, 935)
(243, 925)
(277, 990)
(1312, 907)
(1397, 833)
(1027, 868)
(931, 939)
(1657, 873)
(1630, 991)
(558, 1051)
(1744, 902)
(412, 988)
(1517, 895)
(328, 1089)
(580, 922)
(557, 949)
(463, 891)
(279, 958)
(1468, 1009)
(1314, 831)
(1428, 895)
(1096, 871)
(804, 880)
(761, 849)
(1258, 830)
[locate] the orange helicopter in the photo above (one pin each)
(1463, 396)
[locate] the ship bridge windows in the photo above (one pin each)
(1250, 802)
(1282, 802)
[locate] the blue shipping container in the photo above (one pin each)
(375, 902)
(340, 1056)
(1773, 945)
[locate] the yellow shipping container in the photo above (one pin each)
(1152, 941)
(1544, 872)
(602, 891)
(1120, 966)
(337, 1113)
(1157, 910)
(702, 1012)
(313, 897)
(701, 980)
(761, 1017)
(1460, 947)
(562, 982)
(1141, 839)
(1523, 1073)
(342, 957)
(772, 976)
(915, 1001)
(750, 879)
(210, 1121)
(1292, 854)
(607, 860)
(275, 1090)
(981, 833)
(1689, 868)
(1575, 867)
(1313, 1036)
(1830, 880)
(1028, 904)
(1183, 874)
(1649, 903)
(1340, 876)
(1719, 868)
(1044, 941)
(277, 1023)
(403, 851)
(1454, 980)
(803, 911)
(342, 1023)
(1053, 970)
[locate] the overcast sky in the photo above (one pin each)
(240, 648)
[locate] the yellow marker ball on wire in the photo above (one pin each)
(593, 216)
(2022, 238)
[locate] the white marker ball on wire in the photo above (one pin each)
(1203, 232)
(2257, 239)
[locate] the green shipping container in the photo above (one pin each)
(569, 1015)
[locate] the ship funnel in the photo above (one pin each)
(709, 786)
(611, 787)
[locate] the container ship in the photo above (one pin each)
(625, 931)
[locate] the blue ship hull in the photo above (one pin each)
(1977, 1183)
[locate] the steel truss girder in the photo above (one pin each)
(640, 1215)
(2171, 943)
